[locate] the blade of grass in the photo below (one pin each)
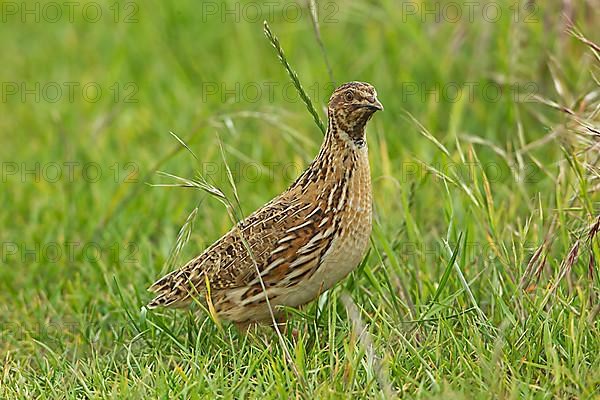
(448, 270)
(294, 77)
(312, 4)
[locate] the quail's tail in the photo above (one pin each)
(171, 291)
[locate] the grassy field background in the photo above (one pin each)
(482, 279)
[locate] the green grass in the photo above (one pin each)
(482, 279)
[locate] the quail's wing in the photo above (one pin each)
(284, 240)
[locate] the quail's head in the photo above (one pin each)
(352, 105)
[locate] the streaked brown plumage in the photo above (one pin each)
(303, 241)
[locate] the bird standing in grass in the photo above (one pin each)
(299, 244)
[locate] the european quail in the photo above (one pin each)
(303, 241)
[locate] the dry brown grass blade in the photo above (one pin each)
(579, 36)
(565, 267)
(594, 229)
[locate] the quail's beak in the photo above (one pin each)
(375, 104)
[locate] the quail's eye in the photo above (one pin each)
(349, 96)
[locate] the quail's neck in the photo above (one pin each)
(344, 135)
(338, 153)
